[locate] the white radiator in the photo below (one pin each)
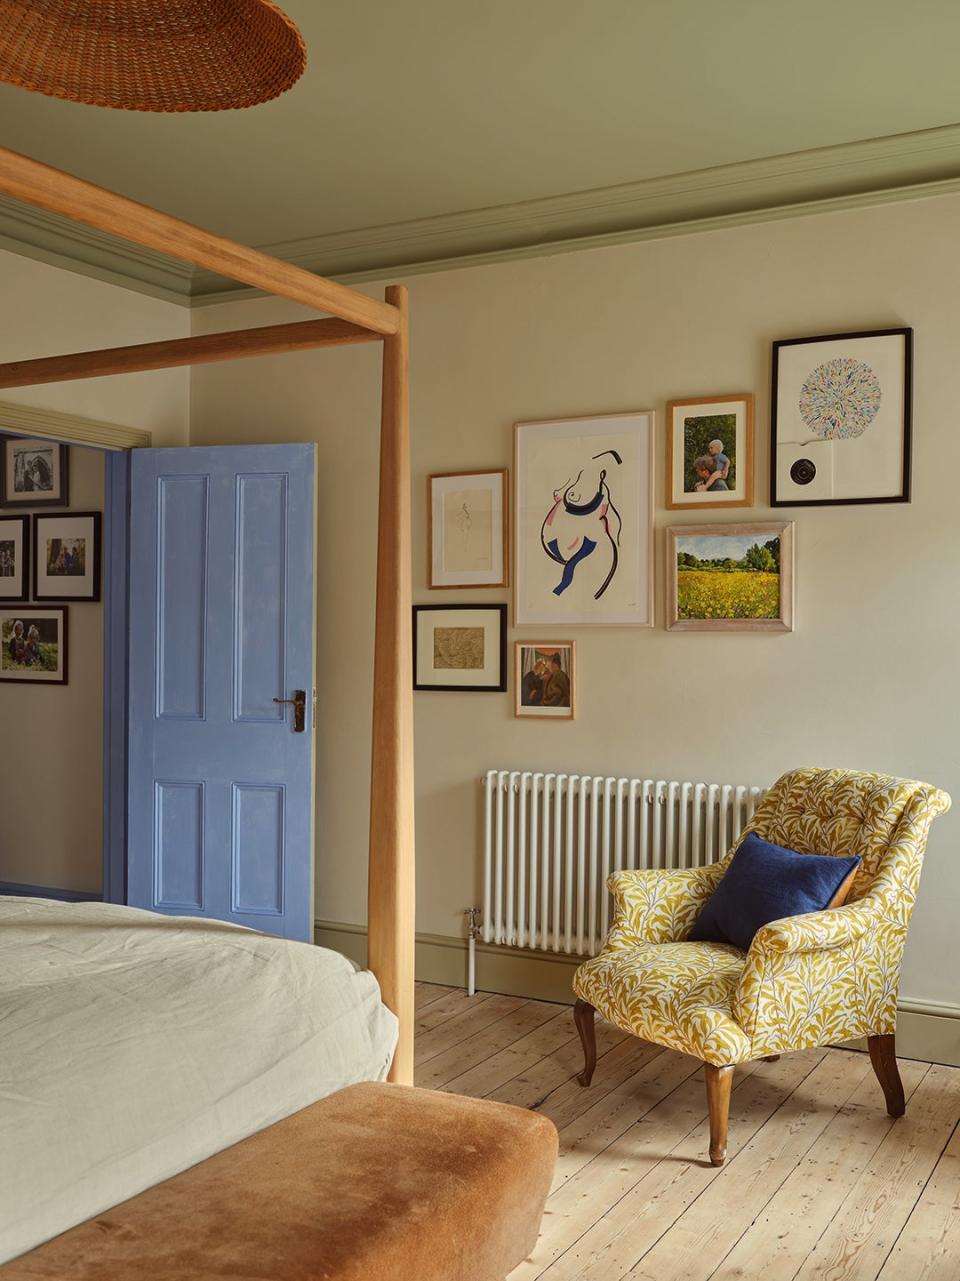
(551, 840)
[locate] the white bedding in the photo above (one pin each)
(133, 1045)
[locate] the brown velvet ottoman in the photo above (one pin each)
(374, 1183)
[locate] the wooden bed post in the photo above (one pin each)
(391, 872)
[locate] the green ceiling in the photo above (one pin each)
(453, 129)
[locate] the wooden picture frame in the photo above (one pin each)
(467, 537)
(694, 426)
(460, 648)
(25, 659)
(14, 558)
(33, 473)
(67, 554)
(841, 419)
(734, 599)
(529, 655)
(583, 521)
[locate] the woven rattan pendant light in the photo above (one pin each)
(151, 55)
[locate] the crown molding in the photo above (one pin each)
(47, 237)
(907, 166)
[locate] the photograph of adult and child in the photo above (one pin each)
(709, 454)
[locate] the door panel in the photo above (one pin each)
(221, 626)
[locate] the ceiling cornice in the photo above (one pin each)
(878, 170)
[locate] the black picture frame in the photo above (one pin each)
(25, 546)
(904, 332)
(27, 616)
(483, 607)
(95, 585)
(22, 501)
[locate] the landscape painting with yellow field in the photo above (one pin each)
(732, 577)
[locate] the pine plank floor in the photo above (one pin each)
(819, 1183)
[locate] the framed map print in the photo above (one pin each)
(460, 647)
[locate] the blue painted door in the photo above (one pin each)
(220, 786)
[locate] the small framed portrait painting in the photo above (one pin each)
(33, 645)
(33, 473)
(467, 514)
(460, 647)
(66, 556)
(14, 557)
(710, 451)
(730, 578)
(840, 421)
(546, 679)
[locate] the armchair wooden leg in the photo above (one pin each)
(583, 1014)
(719, 1082)
(883, 1056)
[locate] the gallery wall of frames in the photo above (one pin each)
(50, 561)
(573, 527)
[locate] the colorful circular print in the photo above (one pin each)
(840, 399)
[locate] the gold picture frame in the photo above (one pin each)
(695, 426)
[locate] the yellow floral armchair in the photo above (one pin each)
(807, 980)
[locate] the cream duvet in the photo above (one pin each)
(133, 1045)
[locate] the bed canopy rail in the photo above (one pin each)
(354, 317)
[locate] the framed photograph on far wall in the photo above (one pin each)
(840, 419)
(546, 679)
(33, 473)
(14, 558)
(467, 515)
(66, 556)
(730, 578)
(460, 647)
(710, 451)
(583, 533)
(33, 645)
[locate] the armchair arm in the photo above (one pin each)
(813, 931)
(809, 979)
(654, 905)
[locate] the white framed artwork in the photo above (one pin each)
(583, 523)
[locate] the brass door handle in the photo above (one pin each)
(299, 704)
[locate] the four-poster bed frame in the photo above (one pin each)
(352, 317)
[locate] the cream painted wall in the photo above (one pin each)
(868, 679)
(46, 310)
(51, 796)
(51, 791)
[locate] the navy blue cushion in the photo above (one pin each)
(766, 882)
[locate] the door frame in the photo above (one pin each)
(116, 441)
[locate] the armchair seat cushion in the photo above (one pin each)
(676, 994)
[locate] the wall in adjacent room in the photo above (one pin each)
(51, 793)
(47, 311)
(50, 787)
(869, 677)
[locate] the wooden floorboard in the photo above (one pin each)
(819, 1184)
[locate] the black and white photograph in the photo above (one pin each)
(34, 473)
